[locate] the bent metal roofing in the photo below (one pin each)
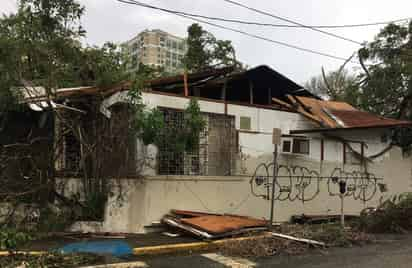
(333, 115)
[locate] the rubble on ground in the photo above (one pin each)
(262, 247)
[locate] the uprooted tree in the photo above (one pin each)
(384, 84)
(40, 46)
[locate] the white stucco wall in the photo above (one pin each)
(138, 202)
(146, 200)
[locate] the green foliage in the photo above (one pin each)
(149, 125)
(99, 66)
(146, 123)
(387, 80)
(94, 207)
(44, 38)
(54, 220)
(393, 216)
(40, 45)
(205, 51)
(337, 85)
(183, 138)
(193, 125)
(385, 85)
(387, 89)
(11, 239)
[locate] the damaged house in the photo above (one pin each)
(319, 140)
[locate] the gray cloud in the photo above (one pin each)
(109, 20)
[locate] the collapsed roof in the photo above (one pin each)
(264, 86)
(257, 86)
(254, 86)
(334, 115)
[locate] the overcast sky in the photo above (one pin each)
(109, 20)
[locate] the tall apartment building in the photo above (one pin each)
(156, 48)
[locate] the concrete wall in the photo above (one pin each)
(138, 202)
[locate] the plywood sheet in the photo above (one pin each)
(222, 224)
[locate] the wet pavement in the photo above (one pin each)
(134, 240)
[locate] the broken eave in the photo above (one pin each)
(321, 130)
(254, 86)
(193, 77)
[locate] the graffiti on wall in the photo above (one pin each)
(298, 183)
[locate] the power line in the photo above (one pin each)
(293, 22)
(134, 2)
(345, 25)
(274, 24)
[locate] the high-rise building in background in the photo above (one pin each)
(156, 48)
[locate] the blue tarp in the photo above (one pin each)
(113, 247)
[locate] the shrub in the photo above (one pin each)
(393, 216)
(11, 239)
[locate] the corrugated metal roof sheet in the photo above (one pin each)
(339, 115)
(356, 118)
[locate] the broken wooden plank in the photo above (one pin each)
(108, 236)
(188, 213)
(302, 111)
(283, 104)
(302, 240)
(217, 225)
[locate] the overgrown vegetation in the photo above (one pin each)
(387, 67)
(40, 46)
(11, 239)
(383, 83)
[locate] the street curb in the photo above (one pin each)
(164, 249)
(33, 253)
(136, 264)
(197, 246)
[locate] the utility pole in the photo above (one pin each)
(276, 139)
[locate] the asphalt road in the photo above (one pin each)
(395, 252)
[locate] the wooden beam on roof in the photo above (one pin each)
(224, 88)
(303, 112)
(269, 96)
(251, 91)
(283, 104)
(185, 84)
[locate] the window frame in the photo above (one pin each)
(347, 158)
(291, 145)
